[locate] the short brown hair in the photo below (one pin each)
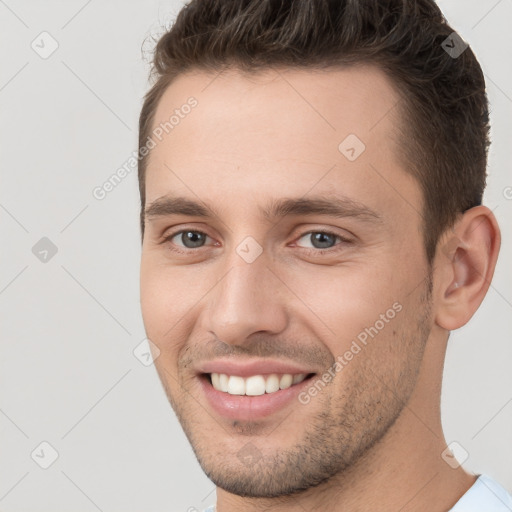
(445, 107)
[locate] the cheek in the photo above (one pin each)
(170, 298)
(162, 293)
(153, 298)
(344, 300)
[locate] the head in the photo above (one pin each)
(315, 210)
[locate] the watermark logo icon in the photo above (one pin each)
(44, 250)
(454, 45)
(44, 45)
(351, 147)
(249, 455)
(454, 455)
(146, 352)
(249, 249)
(44, 455)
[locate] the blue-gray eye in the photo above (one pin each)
(321, 239)
(191, 239)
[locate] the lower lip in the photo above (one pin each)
(251, 408)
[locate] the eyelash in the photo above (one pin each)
(308, 251)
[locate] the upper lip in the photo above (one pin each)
(251, 367)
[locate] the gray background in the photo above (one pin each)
(69, 325)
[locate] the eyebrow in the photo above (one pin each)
(338, 207)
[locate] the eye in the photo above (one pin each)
(188, 239)
(322, 241)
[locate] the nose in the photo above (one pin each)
(249, 298)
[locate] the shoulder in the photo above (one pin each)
(485, 494)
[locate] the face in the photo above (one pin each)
(291, 303)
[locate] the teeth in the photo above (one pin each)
(216, 381)
(223, 382)
(255, 385)
(236, 385)
(297, 378)
(286, 381)
(272, 383)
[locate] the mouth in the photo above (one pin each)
(255, 385)
(253, 397)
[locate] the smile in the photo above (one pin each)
(255, 385)
(253, 397)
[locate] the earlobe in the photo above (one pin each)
(465, 263)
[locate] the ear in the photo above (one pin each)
(464, 265)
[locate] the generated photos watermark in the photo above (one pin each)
(101, 191)
(357, 345)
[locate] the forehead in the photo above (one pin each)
(278, 132)
(288, 103)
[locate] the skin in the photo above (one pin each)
(372, 439)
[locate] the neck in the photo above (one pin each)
(403, 471)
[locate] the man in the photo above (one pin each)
(311, 180)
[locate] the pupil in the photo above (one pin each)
(192, 239)
(321, 239)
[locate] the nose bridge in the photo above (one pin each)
(245, 299)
